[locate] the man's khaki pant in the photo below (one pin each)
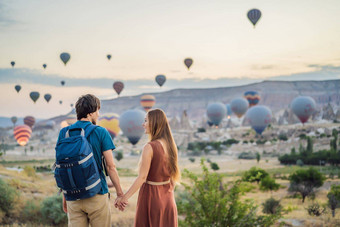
(95, 211)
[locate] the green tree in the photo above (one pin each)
(293, 151)
(309, 148)
(258, 157)
(269, 184)
(304, 181)
(119, 156)
(254, 174)
(334, 198)
(214, 166)
(209, 202)
(31, 148)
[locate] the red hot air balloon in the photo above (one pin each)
(118, 87)
(22, 133)
(29, 120)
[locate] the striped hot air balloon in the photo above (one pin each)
(253, 97)
(22, 133)
(110, 121)
(29, 120)
(147, 102)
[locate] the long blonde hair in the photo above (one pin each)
(159, 128)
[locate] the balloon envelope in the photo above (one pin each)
(108, 56)
(254, 15)
(188, 62)
(253, 97)
(34, 96)
(239, 106)
(44, 66)
(303, 107)
(12, 63)
(14, 119)
(60, 102)
(131, 123)
(259, 117)
(17, 88)
(47, 97)
(147, 101)
(216, 112)
(160, 80)
(65, 57)
(62, 82)
(29, 121)
(22, 133)
(118, 87)
(110, 121)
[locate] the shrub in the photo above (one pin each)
(230, 142)
(8, 197)
(31, 212)
(212, 203)
(254, 174)
(334, 198)
(52, 210)
(283, 137)
(214, 166)
(30, 171)
(201, 130)
(271, 206)
(299, 162)
(269, 184)
(192, 159)
(246, 155)
(315, 210)
(119, 156)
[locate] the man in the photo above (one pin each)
(94, 210)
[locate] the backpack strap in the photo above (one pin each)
(89, 129)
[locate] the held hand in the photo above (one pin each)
(121, 203)
(64, 205)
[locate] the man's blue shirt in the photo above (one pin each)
(101, 141)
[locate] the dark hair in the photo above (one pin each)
(87, 104)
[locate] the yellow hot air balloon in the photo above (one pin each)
(147, 102)
(22, 133)
(110, 121)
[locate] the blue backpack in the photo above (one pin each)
(76, 171)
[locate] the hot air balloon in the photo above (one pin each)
(47, 97)
(60, 102)
(44, 66)
(254, 16)
(17, 88)
(303, 107)
(62, 83)
(111, 123)
(108, 56)
(229, 112)
(34, 96)
(216, 112)
(210, 123)
(12, 63)
(65, 57)
(160, 79)
(22, 133)
(29, 121)
(239, 106)
(118, 86)
(253, 97)
(188, 62)
(259, 117)
(14, 120)
(147, 102)
(71, 105)
(131, 123)
(71, 119)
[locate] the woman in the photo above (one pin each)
(157, 176)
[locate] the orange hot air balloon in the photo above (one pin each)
(22, 133)
(147, 102)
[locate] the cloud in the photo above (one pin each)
(5, 20)
(263, 67)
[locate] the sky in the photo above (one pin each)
(293, 40)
